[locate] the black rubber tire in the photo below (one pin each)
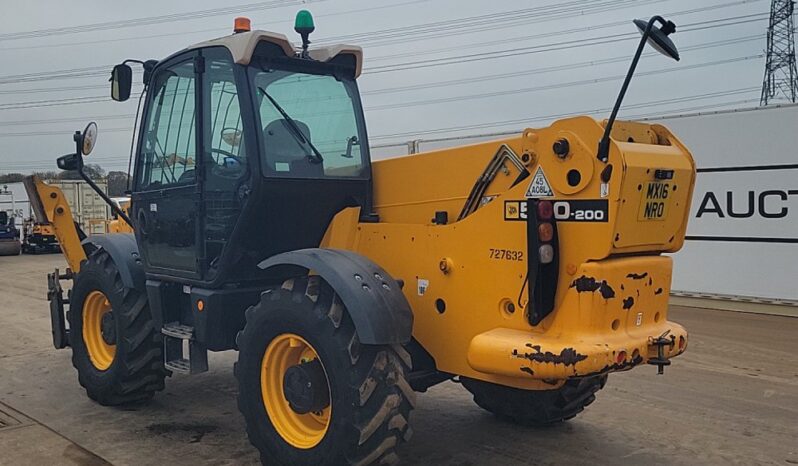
(371, 399)
(137, 370)
(10, 248)
(535, 407)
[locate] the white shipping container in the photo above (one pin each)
(88, 208)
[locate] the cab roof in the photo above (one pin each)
(242, 46)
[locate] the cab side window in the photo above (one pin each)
(169, 151)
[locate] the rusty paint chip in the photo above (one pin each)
(637, 276)
(568, 356)
(628, 303)
(585, 283)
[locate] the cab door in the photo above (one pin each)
(166, 195)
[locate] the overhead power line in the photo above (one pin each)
(217, 30)
(550, 69)
(549, 47)
(103, 70)
(658, 104)
(400, 105)
(599, 40)
(451, 25)
(150, 20)
(54, 102)
(518, 121)
(550, 34)
(492, 21)
(558, 85)
(450, 82)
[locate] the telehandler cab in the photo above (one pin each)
(527, 269)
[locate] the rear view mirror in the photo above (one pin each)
(88, 138)
(68, 162)
(121, 82)
(658, 37)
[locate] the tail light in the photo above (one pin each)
(543, 267)
(546, 253)
(545, 232)
(545, 210)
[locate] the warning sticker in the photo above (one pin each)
(539, 187)
(422, 286)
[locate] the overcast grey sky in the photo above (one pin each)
(516, 62)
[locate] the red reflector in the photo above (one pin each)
(545, 210)
(545, 232)
(621, 357)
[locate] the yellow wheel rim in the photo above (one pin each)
(299, 430)
(100, 352)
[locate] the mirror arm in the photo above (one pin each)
(604, 145)
(78, 150)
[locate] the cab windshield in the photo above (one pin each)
(311, 124)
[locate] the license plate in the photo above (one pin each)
(654, 201)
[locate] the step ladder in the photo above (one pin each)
(175, 358)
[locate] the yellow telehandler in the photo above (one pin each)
(526, 269)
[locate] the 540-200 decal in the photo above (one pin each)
(577, 210)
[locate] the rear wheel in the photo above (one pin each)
(535, 407)
(115, 348)
(309, 391)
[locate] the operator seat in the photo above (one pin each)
(284, 154)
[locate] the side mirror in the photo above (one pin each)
(658, 37)
(121, 82)
(84, 144)
(88, 139)
(68, 162)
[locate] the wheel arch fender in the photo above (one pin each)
(124, 252)
(374, 299)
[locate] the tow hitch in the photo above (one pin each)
(660, 342)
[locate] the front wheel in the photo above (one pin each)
(309, 391)
(536, 407)
(115, 348)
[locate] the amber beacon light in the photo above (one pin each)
(242, 24)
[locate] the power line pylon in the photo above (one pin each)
(781, 77)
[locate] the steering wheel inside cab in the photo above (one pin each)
(226, 164)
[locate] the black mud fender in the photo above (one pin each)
(375, 301)
(124, 251)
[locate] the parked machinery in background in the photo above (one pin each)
(39, 237)
(10, 244)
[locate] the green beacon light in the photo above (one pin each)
(304, 26)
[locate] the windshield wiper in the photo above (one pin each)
(300, 138)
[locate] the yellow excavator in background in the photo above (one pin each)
(39, 237)
(527, 269)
